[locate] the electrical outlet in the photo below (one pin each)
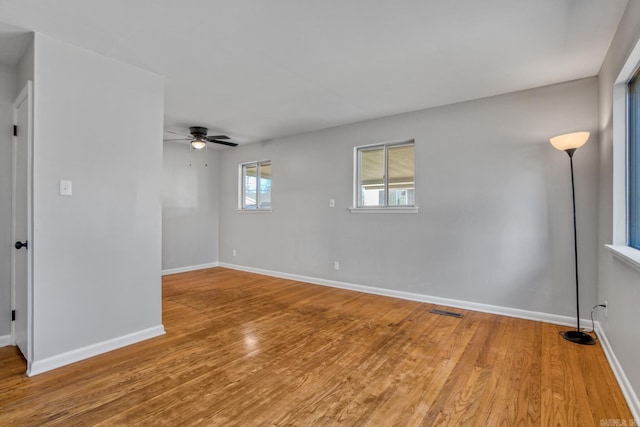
(234, 253)
(336, 265)
(606, 310)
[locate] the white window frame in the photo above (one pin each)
(409, 209)
(620, 245)
(241, 186)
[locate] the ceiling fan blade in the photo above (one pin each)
(211, 138)
(177, 133)
(229, 143)
(172, 140)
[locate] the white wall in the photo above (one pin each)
(7, 83)
(96, 254)
(25, 68)
(189, 207)
(495, 223)
(618, 283)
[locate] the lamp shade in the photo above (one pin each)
(198, 143)
(569, 141)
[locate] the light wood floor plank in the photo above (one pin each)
(245, 349)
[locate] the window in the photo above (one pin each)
(255, 184)
(633, 161)
(385, 176)
(625, 245)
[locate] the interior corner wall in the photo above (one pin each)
(97, 253)
(618, 283)
(495, 218)
(189, 207)
(7, 90)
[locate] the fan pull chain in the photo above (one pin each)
(190, 148)
(206, 147)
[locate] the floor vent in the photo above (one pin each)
(446, 313)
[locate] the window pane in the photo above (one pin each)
(401, 165)
(265, 185)
(372, 177)
(633, 165)
(249, 174)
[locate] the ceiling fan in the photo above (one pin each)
(199, 138)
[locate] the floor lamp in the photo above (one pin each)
(569, 143)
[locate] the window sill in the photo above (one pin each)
(626, 254)
(254, 210)
(388, 210)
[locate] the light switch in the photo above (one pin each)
(332, 203)
(65, 187)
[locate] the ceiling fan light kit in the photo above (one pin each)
(199, 137)
(198, 143)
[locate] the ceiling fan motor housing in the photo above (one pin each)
(198, 131)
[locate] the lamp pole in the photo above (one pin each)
(575, 235)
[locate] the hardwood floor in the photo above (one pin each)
(245, 349)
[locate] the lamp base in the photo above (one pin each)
(578, 337)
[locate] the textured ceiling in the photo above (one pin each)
(260, 69)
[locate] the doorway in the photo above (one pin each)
(21, 221)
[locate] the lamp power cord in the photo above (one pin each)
(593, 323)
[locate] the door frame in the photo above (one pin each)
(26, 95)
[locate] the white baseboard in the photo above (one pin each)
(39, 366)
(5, 340)
(624, 383)
(467, 305)
(189, 268)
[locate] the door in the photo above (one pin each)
(21, 219)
